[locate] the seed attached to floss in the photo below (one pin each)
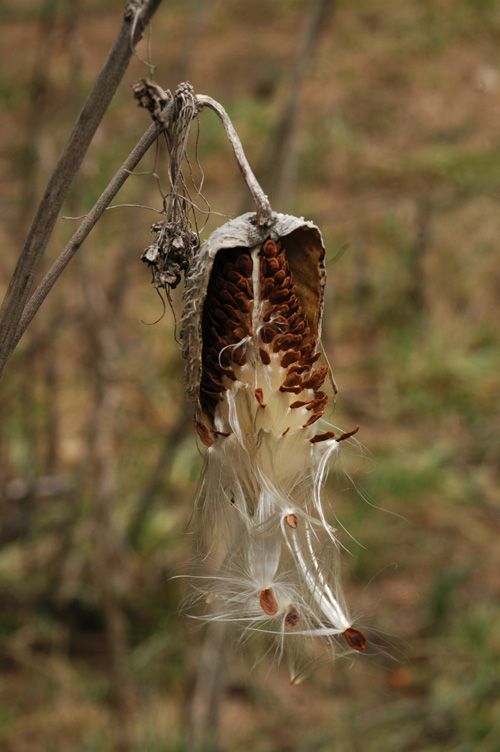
(348, 435)
(292, 617)
(291, 520)
(259, 396)
(322, 437)
(268, 602)
(355, 639)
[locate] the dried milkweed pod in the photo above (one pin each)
(251, 331)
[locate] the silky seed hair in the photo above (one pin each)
(251, 334)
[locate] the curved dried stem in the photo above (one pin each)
(264, 211)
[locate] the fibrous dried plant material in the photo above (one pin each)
(251, 337)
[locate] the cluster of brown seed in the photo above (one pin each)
(227, 320)
(286, 330)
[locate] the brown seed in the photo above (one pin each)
(280, 277)
(291, 389)
(299, 327)
(292, 379)
(225, 358)
(270, 248)
(289, 357)
(238, 333)
(278, 296)
(232, 313)
(226, 297)
(285, 431)
(268, 602)
(218, 316)
(267, 288)
(209, 381)
(244, 264)
(292, 617)
(318, 404)
(313, 358)
(239, 355)
(243, 285)
(322, 437)
(227, 268)
(299, 369)
(236, 278)
(344, 436)
(314, 417)
(259, 396)
(204, 434)
(268, 333)
(298, 403)
(264, 356)
(271, 266)
(291, 520)
(242, 302)
(316, 379)
(355, 639)
(285, 342)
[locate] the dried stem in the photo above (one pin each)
(264, 211)
(137, 15)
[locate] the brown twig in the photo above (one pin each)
(137, 15)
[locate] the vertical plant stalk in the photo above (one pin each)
(107, 549)
(137, 15)
(280, 172)
(203, 720)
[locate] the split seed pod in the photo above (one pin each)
(237, 290)
(251, 330)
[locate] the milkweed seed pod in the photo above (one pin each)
(251, 329)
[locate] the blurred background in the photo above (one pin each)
(380, 122)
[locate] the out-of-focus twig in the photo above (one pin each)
(137, 15)
(280, 165)
(38, 101)
(203, 719)
(108, 548)
(154, 483)
(197, 22)
(87, 224)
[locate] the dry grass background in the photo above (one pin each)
(398, 155)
